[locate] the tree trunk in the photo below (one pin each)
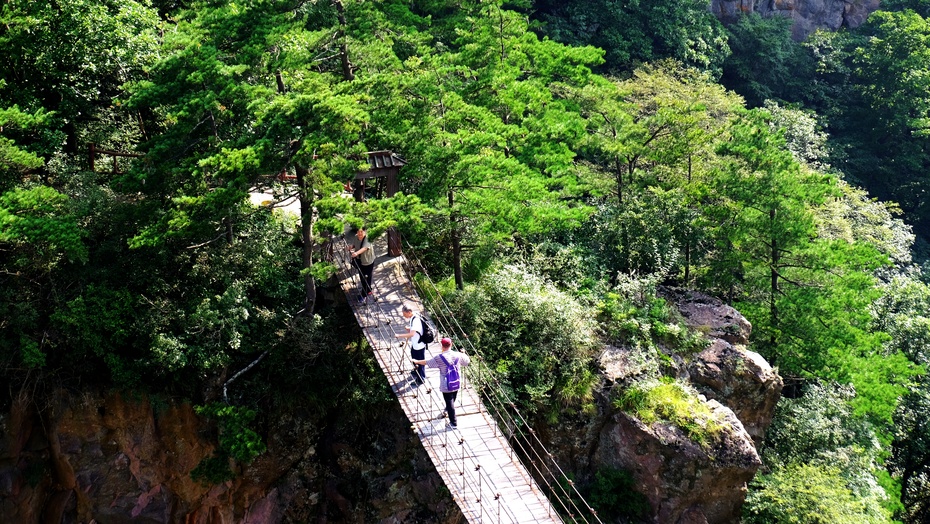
(227, 222)
(773, 310)
(688, 234)
(619, 170)
(347, 67)
(306, 233)
(456, 245)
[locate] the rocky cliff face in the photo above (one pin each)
(807, 15)
(103, 457)
(685, 482)
(106, 458)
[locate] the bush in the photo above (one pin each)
(614, 495)
(808, 494)
(539, 340)
(820, 431)
(237, 439)
(670, 401)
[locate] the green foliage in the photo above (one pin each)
(12, 157)
(160, 276)
(910, 459)
(614, 495)
(903, 311)
(213, 470)
(636, 32)
(237, 439)
(808, 494)
(884, 124)
(31, 356)
(37, 222)
(667, 400)
(65, 62)
(821, 429)
(856, 218)
(804, 135)
(538, 339)
(766, 63)
(632, 315)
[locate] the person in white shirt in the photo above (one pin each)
(417, 348)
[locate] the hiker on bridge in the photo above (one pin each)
(363, 257)
(450, 364)
(417, 346)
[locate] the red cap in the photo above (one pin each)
(446, 342)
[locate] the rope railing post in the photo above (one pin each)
(462, 473)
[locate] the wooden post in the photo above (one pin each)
(395, 246)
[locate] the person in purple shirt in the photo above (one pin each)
(447, 358)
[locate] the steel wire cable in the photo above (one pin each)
(446, 312)
(440, 315)
(346, 268)
(540, 458)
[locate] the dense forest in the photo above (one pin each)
(552, 156)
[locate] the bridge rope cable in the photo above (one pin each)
(449, 322)
(501, 410)
(469, 478)
(518, 428)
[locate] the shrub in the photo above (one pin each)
(670, 401)
(808, 494)
(237, 439)
(614, 494)
(539, 340)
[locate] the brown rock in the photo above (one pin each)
(683, 481)
(726, 371)
(109, 458)
(741, 380)
(806, 15)
(709, 315)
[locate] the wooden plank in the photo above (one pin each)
(475, 461)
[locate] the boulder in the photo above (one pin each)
(685, 482)
(709, 315)
(726, 371)
(741, 380)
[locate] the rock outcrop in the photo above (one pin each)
(685, 482)
(806, 15)
(726, 371)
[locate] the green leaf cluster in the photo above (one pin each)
(538, 340)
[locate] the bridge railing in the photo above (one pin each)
(479, 494)
(559, 487)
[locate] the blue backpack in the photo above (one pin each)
(452, 374)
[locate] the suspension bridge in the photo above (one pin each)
(495, 467)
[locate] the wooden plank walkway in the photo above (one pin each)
(476, 461)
